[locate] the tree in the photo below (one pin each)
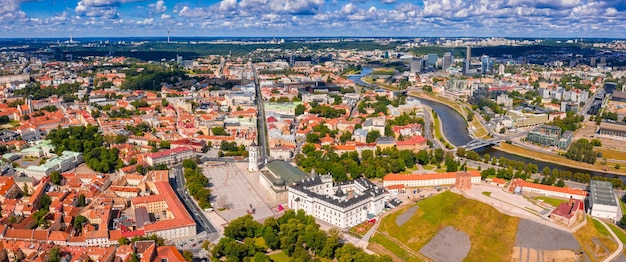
(123, 241)
(241, 228)
(164, 144)
(560, 183)
(78, 222)
(372, 136)
(623, 221)
(300, 109)
(81, 201)
(346, 136)
(55, 177)
(54, 255)
(596, 142)
(219, 131)
(188, 255)
(460, 152)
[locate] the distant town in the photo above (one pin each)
(313, 149)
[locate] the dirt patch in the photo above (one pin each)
(448, 245)
(404, 217)
(534, 235)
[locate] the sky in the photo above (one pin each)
(276, 18)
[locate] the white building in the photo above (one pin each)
(170, 156)
(426, 180)
(518, 186)
(602, 203)
(341, 204)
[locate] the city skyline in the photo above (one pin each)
(127, 18)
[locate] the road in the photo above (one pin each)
(428, 128)
(194, 210)
(260, 119)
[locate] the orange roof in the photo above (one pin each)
(345, 147)
(400, 186)
(498, 180)
(402, 177)
(567, 190)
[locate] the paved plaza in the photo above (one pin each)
(234, 194)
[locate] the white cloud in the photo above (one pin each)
(388, 1)
(147, 21)
(349, 8)
(228, 5)
(159, 6)
(96, 11)
(165, 16)
(7, 6)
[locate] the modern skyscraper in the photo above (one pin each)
(447, 60)
(432, 59)
(468, 57)
(485, 66)
(416, 65)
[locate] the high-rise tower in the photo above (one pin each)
(468, 57)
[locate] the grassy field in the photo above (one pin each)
(438, 135)
(280, 257)
(487, 228)
(382, 245)
(480, 132)
(555, 202)
(618, 232)
(594, 238)
(558, 159)
(383, 71)
(486, 193)
(611, 153)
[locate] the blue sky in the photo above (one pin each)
(506, 18)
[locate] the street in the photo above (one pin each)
(196, 213)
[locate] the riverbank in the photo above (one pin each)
(520, 151)
(437, 126)
(474, 127)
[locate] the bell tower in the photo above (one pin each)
(253, 158)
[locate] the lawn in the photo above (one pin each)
(590, 234)
(384, 71)
(509, 148)
(384, 246)
(280, 257)
(611, 153)
(555, 202)
(488, 229)
(487, 193)
(618, 232)
(438, 135)
(480, 132)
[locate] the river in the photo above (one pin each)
(455, 130)
(357, 78)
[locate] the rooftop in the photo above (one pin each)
(602, 193)
(286, 171)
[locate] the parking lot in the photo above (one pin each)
(234, 195)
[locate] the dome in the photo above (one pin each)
(279, 182)
(339, 192)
